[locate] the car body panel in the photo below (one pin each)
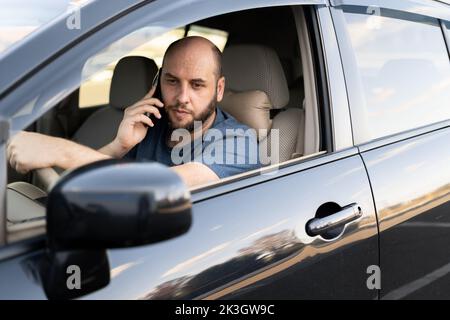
(248, 238)
(411, 187)
(244, 244)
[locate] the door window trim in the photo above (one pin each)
(445, 26)
(398, 137)
(341, 130)
(433, 9)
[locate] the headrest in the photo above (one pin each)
(251, 108)
(132, 79)
(255, 67)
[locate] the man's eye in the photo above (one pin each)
(171, 81)
(196, 85)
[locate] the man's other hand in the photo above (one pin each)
(28, 151)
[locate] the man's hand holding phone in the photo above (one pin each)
(157, 91)
(136, 121)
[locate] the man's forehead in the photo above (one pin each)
(190, 62)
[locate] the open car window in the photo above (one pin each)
(278, 118)
(95, 90)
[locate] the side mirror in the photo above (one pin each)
(109, 204)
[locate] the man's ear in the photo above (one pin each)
(220, 88)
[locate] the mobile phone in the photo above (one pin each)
(156, 82)
(157, 93)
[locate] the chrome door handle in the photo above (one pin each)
(318, 226)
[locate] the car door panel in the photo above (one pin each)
(248, 243)
(410, 181)
(253, 239)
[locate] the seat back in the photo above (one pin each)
(256, 84)
(132, 79)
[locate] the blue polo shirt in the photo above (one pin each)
(228, 147)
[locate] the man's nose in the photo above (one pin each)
(183, 94)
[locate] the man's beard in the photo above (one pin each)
(205, 115)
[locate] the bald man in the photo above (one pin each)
(187, 126)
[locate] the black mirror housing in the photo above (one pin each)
(108, 204)
(117, 203)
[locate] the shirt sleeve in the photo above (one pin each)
(233, 154)
(131, 155)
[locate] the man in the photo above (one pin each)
(191, 86)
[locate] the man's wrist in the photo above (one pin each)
(116, 149)
(64, 153)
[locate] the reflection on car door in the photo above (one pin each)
(248, 240)
(401, 124)
(410, 181)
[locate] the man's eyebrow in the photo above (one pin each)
(168, 74)
(198, 80)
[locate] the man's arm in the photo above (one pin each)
(75, 155)
(67, 154)
(51, 152)
(28, 150)
(195, 174)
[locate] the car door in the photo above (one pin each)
(401, 122)
(304, 229)
(248, 240)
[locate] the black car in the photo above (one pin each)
(355, 204)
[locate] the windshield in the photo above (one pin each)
(19, 18)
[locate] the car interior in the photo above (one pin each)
(270, 84)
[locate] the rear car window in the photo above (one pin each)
(404, 68)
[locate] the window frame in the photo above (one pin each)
(353, 77)
(429, 8)
(445, 26)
